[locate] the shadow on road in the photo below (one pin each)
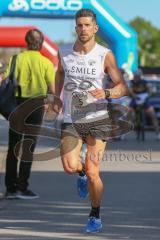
(130, 209)
(131, 143)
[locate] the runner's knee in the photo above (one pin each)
(92, 175)
(67, 169)
(69, 166)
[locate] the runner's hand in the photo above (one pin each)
(98, 93)
(54, 105)
(57, 105)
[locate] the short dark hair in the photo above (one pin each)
(34, 39)
(86, 12)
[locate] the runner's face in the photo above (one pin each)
(86, 29)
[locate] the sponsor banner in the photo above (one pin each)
(42, 7)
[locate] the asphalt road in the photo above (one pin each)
(131, 202)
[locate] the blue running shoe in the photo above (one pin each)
(82, 186)
(94, 225)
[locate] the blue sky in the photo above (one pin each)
(126, 9)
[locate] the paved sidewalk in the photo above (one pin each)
(130, 207)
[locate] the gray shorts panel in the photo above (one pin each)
(98, 129)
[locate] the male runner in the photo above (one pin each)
(81, 71)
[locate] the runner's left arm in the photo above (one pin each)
(120, 87)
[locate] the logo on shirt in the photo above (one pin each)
(70, 61)
(91, 62)
(81, 62)
(82, 70)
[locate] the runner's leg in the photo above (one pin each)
(95, 151)
(70, 153)
(94, 155)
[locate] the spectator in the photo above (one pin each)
(140, 94)
(34, 73)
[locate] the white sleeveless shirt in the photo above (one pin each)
(82, 74)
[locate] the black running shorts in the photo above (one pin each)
(98, 129)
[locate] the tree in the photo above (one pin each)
(148, 42)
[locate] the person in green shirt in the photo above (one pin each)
(35, 75)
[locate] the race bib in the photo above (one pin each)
(79, 99)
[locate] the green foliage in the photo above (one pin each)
(101, 41)
(148, 42)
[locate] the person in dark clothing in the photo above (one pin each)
(35, 74)
(140, 95)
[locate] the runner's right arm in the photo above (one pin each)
(59, 81)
